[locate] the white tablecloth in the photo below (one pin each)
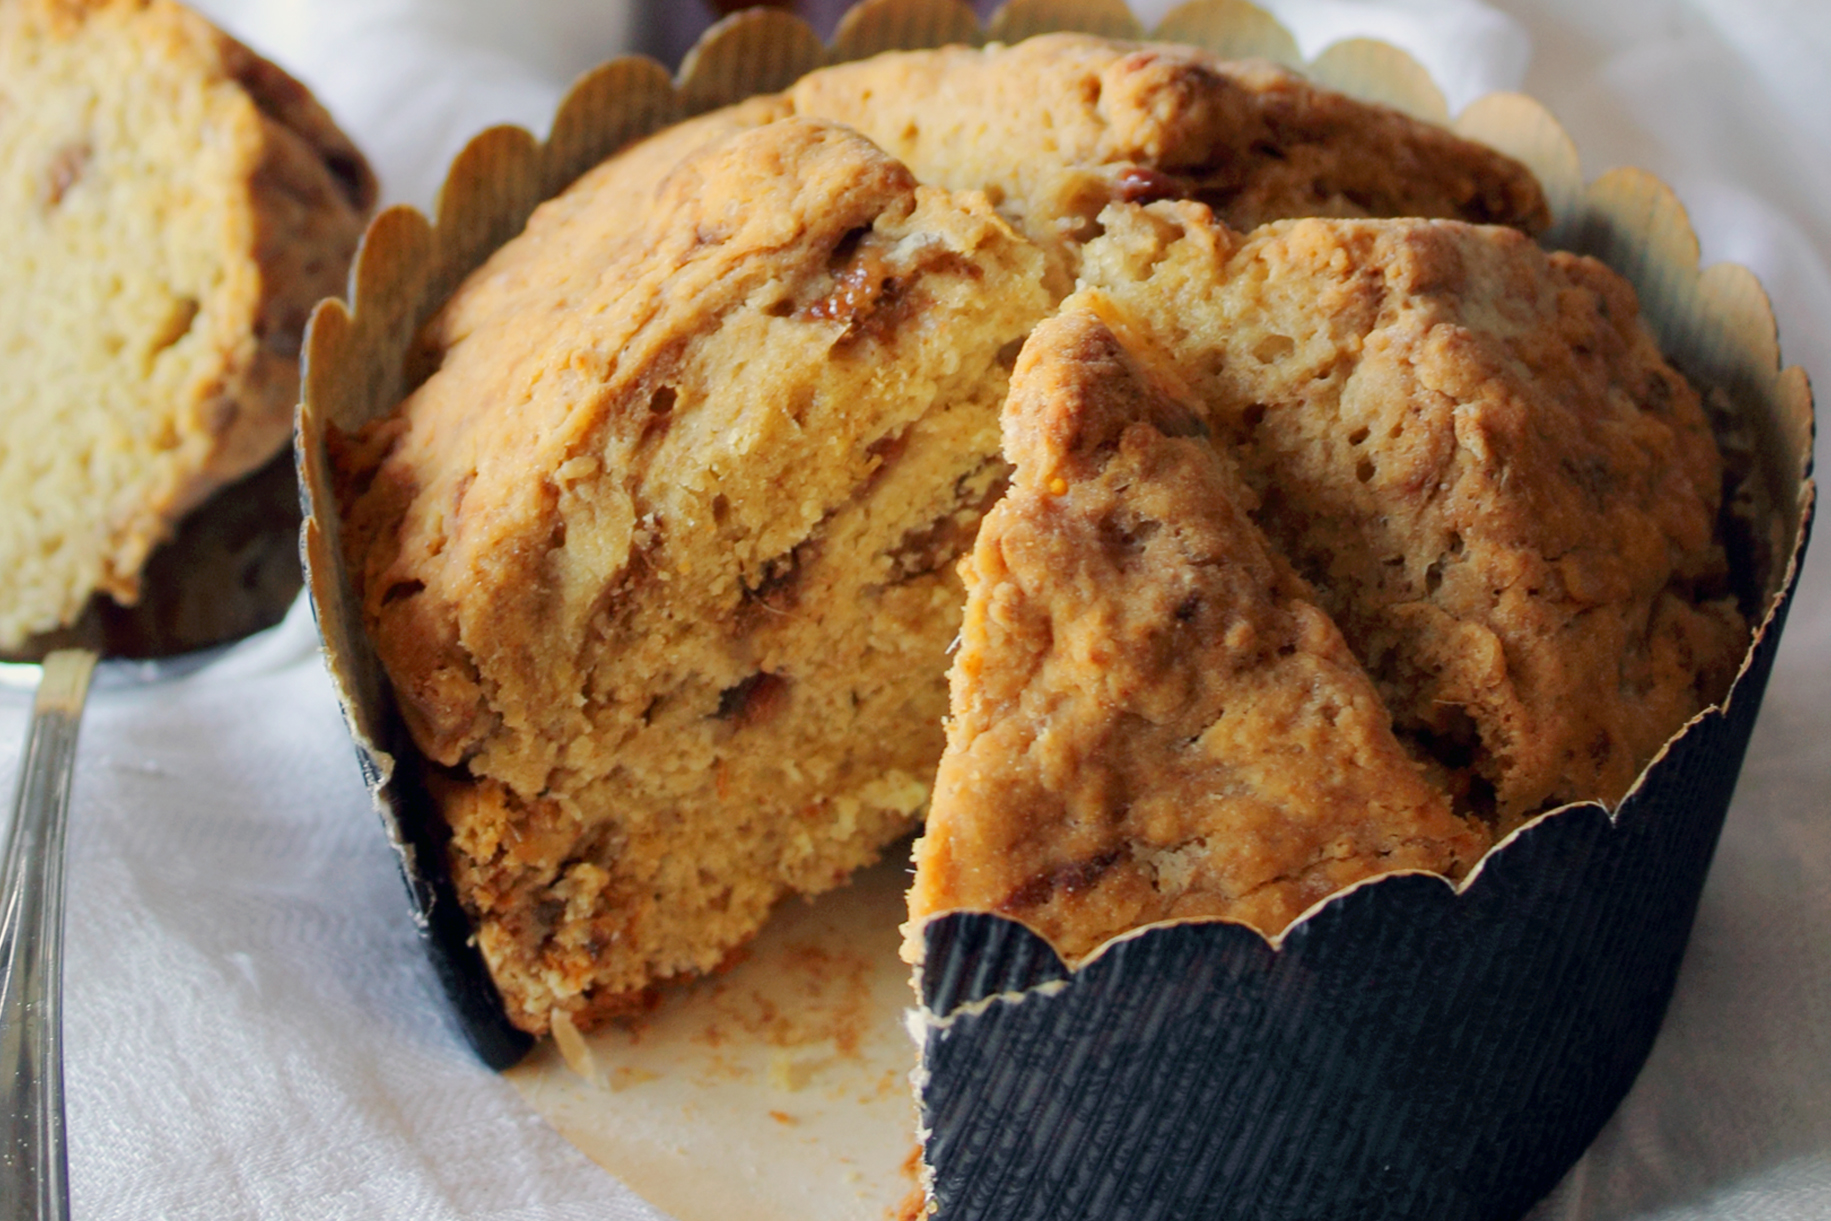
(252, 1028)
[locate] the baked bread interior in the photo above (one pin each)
(171, 207)
(661, 618)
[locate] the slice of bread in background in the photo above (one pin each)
(171, 208)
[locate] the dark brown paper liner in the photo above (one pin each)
(1406, 1051)
(1409, 1049)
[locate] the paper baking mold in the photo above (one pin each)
(1410, 1048)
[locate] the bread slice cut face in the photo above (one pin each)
(661, 563)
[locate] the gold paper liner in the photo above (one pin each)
(1021, 19)
(1231, 28)
(1717, 324)
(868, 29)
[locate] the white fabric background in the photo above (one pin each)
(252, 1029)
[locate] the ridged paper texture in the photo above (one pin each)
(868, 29)
(1379, 72)
(1021, 19)
(1231, 28)
(1388, 1057)
(1406, 1051)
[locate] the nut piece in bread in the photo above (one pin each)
(1151, 719)
(173, 207)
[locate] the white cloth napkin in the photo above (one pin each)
(252, 1028)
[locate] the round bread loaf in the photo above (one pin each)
(660, 560)
(173, 207)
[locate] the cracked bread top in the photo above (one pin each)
(1475, 453)
(1056, 127)
(1053, 129)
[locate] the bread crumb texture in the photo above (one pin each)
(174, 206)
(662, 556)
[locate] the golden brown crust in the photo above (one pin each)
(1055, 128)
(184, 204)
(311, 195)
(605, 206)
(1476, 454)
(1150, 718)
(290, 105)
(312, 192)
(1058, 126)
